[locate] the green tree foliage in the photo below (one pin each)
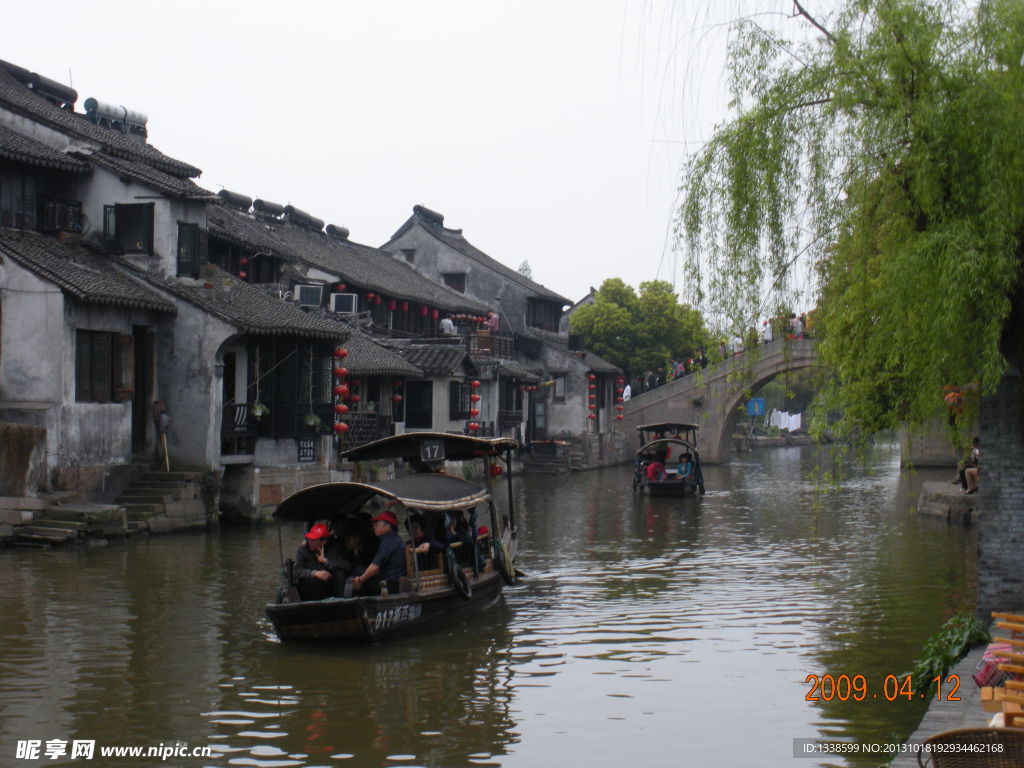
(886, 157)
(639, 332)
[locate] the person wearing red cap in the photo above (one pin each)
(312, 576)
(388, 565)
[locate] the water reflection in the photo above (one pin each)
(653, 628)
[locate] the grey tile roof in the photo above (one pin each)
(14, 146)
(519, 371)
(18, 99)
(246, 231)
(249, 308)
(78, 271)
(453, 238)
(368, 358)
(360, 265)
(175, 186)
(561, 343)
(437, 359)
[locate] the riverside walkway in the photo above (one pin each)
(948, 715)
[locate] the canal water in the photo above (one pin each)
(654, 632)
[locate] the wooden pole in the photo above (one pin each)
(167, 458)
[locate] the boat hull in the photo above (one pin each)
(374, 618)
(669, 488)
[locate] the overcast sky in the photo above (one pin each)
(549, 131)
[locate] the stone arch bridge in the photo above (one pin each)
(712, 398)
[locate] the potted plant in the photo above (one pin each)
(259, 410)
(312, 420)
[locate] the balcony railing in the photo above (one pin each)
(509, 418)
(365, 428)
(488, 344)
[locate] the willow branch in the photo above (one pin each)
(802, 12)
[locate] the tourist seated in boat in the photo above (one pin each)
(424, 544)
(684, 470)
(388, 566)
(656, 469)
(311, 573)
(346, 555)
(461, 530)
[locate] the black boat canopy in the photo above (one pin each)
(668, 426)
(661, 444)
(430, 446)
(427, 491)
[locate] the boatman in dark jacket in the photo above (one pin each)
(388, 564)
(312, 576)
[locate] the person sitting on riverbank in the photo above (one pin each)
(388, 565)
(973, 468)
(312, 575)
(969, 460)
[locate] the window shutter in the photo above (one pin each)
(102, 367)
(124, 367)
(110, 223)
(83, 364)
(149, 209)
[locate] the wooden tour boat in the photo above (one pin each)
(468, 574)
(668, 442)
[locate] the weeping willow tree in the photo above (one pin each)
(884, 156)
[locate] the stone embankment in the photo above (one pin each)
(945, 501)
(157, 502)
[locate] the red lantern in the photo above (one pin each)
(341, 373)
(619, 417)
(341, 391)
(472, 426)
(423, 311)
(341, 353)
(592, 407)
(591, 416)
(474, 412)
(592, 387)
(475, 398)
(369, 295)
(496, 470)
(376, 300)
(354, 398)
(405, 306)
(341, 408)
(474, 384)
(433, 314)
(340, 287)
(341, 427)
(396, 398)
(243, 261)
(619, 399)
(592, 377)
(243, 275)
(620, 407)
(391, 305)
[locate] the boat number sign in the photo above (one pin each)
(400, 614)
(432, 450)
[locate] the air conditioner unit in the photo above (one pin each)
(344, 303)
(309, 295)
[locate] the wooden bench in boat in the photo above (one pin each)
(435, 576)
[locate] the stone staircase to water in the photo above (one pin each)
(160, 502)
(155, 502)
